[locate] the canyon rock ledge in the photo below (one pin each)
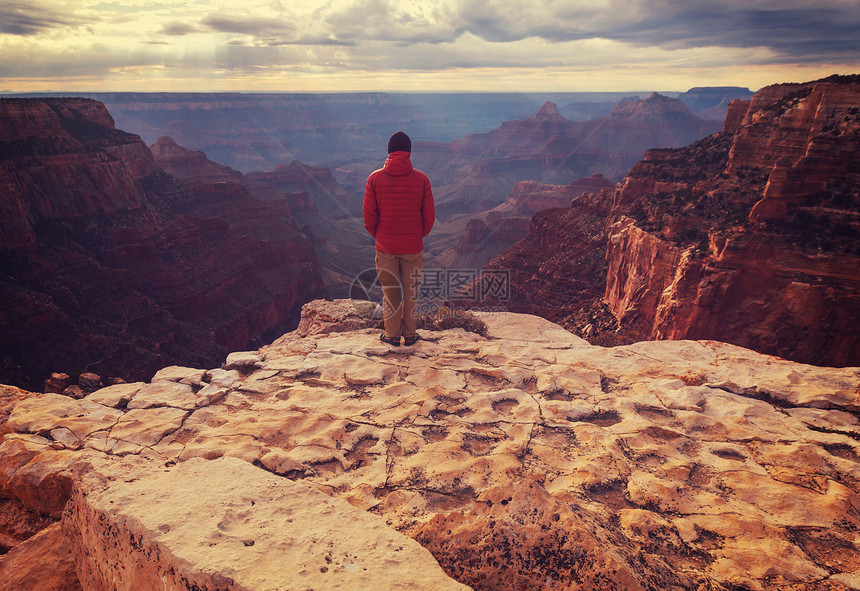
(527, 459)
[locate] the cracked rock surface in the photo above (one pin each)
(524, 460)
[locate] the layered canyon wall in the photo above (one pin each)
(749, 236)
(114, 266)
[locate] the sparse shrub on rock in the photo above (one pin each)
(445, 318)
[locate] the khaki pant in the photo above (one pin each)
(399, 275)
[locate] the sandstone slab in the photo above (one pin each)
(43, 413)
(42, 563)
(320, 316)
(116, 395)
(168, 393)
(225, 524)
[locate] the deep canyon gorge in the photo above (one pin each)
(668, 397)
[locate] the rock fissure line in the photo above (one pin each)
(176, 430)
(852, 435)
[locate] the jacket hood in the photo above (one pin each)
(398, 163)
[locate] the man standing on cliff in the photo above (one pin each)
(399, 211)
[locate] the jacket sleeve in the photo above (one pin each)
(428, 208)
(370, 208)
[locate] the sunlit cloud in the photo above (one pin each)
(423, 44)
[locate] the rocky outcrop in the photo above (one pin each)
(321, 316)
(524, 458)
(748, 236)
(85, 166)
(190, 164)
(112, 266)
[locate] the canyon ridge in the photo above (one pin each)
(750, 236)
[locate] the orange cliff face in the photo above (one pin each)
(750, 237)
(112, 265)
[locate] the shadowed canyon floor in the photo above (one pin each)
(527, 459)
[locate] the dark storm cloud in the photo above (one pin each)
(789, 28)
(800, 34)
(29, 18)
(258, 27)
(178, 28)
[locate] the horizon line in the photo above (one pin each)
(404, 92)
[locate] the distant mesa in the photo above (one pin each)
(656, 104)
(548, 112)
(712, 102)
(477, 173)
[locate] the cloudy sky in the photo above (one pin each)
(422, 45)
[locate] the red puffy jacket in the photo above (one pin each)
(398, 206)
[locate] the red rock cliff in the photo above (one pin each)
(750, 237)
(61, 159)
(112, 265)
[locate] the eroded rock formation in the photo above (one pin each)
(112, 265)
(748, 236)
(522, 459)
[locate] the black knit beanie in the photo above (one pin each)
(399, 142)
